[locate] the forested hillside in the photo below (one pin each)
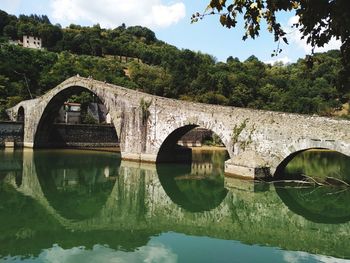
(133, 57)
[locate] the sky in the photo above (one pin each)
(171, 22)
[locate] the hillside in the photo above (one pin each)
(133, 57)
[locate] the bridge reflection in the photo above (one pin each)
(74, 200)
(198, 186)
(76, 183)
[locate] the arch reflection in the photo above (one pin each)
(319, 204)
(139, 210)
(198, 186)
(76, 183)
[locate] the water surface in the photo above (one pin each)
(81, 206)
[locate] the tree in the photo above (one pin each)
(5, 19)
(319, 20)
(10, 31)
(50, 35)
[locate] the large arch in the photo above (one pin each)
(45, 128)
(36, 108)
(290, 157)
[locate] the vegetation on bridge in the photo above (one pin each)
(133, 57)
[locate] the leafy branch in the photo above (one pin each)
(237, 131)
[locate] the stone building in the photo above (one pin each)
(27, 42)
(31, 42)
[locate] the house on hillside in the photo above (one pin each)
(31, 42)
(28, 42)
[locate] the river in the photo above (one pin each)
(88, 206)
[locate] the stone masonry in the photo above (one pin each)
(257, 141)
(11, 133)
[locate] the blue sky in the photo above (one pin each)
(170, 20)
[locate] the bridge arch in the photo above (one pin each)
(281, 162)
(168, 142)
(50, 109)
(20, 114)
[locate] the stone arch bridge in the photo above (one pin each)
(148, 127)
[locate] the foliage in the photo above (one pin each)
(237, 130)
(318, 22)
(83, 98)
(3, 114)
(12, 101)
(134, 58)
(88, 119)
(151, 79)
(214, 140)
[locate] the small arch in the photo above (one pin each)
(171, 151)
(21, 119)
(311, 153)
(282, 164)
(20, 114)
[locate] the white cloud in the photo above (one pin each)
(284, 60)
(112, 13)
(299, 256)
(294, 37)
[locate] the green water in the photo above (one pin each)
(81, 206)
